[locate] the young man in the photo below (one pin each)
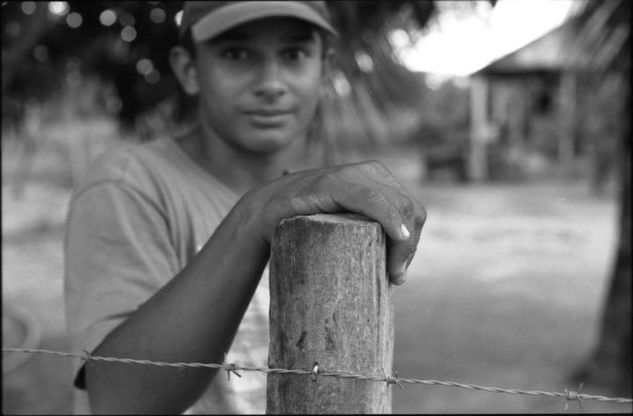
(167, 241)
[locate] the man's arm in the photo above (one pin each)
(195, 316)
(192, 319)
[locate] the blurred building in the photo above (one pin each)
(528, 112)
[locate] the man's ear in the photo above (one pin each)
(184, 68)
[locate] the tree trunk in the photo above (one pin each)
(610, 365)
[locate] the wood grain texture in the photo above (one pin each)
(331, 303)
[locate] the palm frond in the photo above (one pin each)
(602, 29)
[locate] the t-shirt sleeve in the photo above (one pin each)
(119, 252)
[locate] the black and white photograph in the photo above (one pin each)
(316, 207)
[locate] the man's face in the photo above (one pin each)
(259, 83)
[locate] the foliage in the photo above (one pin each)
(603, 30)
(40, 52)
(40, 47)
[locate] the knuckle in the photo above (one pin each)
(325, 181)
(408, 207)
(350, 172)
(378, 167)
(365, 193)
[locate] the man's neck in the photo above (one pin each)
(241, 170)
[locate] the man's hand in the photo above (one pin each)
(366, 188)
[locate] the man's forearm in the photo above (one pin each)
(193, 319)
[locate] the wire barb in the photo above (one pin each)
(571, 395)
(394, 380)
(232, 369)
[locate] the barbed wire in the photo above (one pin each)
(568, 395)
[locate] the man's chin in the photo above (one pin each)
(267, 147)
(266, 143)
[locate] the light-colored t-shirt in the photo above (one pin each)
(136, 220)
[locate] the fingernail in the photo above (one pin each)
(405, 232)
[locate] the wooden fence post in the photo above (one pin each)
(331, 304)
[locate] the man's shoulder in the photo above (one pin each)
(125, 153)
(128, 161)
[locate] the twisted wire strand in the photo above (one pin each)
(568, 395)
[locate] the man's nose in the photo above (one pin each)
(270, 83)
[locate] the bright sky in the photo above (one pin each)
(463, 44)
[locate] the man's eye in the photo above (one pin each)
(235, 54)
(295, 54)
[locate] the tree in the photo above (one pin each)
(111, 38)
(605, 34)
(108, 39)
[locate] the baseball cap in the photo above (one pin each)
(207, 19)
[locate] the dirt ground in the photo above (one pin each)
(506, 290)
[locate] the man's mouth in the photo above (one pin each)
(268, 117)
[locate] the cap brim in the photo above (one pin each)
(236, 14)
